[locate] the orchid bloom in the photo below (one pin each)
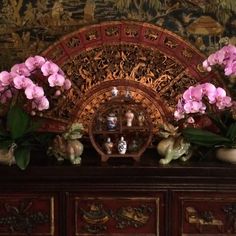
(20, 69)
(49, 68)
(193, 99)
(225, 57)
(21, 77)
(33, 63)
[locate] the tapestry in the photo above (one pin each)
(29, 27)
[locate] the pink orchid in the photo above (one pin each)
(49, 68)
(21, 69)
(225, 57)
(224, 102)
(193, 93)
(194, 107)
(34, 91)
(35, 62)
(5, 78)
(21, 82)
(67, 84)
(40, 103)
(56, 80)
(22, 77)
(192, 100)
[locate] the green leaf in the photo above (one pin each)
(205, 138)
(231, 133)
(22, 156)
(17, 122)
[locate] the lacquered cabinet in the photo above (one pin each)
(28, 214)
(119, 198)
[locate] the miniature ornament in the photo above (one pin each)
(129, 115)
(111, 121)
(133, 147)
(108, 146)
(128, 95)
(141, 119)
(122, 146)
(114, 91)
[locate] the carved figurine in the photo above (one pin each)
(67, 145)
(7, 155)
(108, 146)
(173, 146)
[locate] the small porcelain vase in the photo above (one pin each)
(114, 92)
(227, 155)
(133, 147)
(122, 146)
(141, 119)
(111, 121)
(129, 115)
(108, 146)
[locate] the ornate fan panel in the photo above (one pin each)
(155, 65)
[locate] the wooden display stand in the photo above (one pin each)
(137, 135)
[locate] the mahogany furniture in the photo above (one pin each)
(122, 198)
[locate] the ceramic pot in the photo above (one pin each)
(227, 155)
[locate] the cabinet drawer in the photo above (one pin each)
(28, 214)
(137, 216)
(204, 213)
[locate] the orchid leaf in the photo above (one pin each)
(17, 122)
(231, 133)
(205, 138)
(22, 156)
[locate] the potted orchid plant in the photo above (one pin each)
(207, 100)
(26, 97)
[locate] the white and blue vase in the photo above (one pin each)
(122, 146)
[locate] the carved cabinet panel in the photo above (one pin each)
(28, 214)
(204, 213)
(141, 216)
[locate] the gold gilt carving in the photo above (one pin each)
(112, 31)
(186, 53)
(124, 61)
(170, 43)
(131, 32)
(200, 68)
(151, 35)
(96, 217)
(91, 35)
(202, 219)
(132, 216)
(73, 42)
(159, 73)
